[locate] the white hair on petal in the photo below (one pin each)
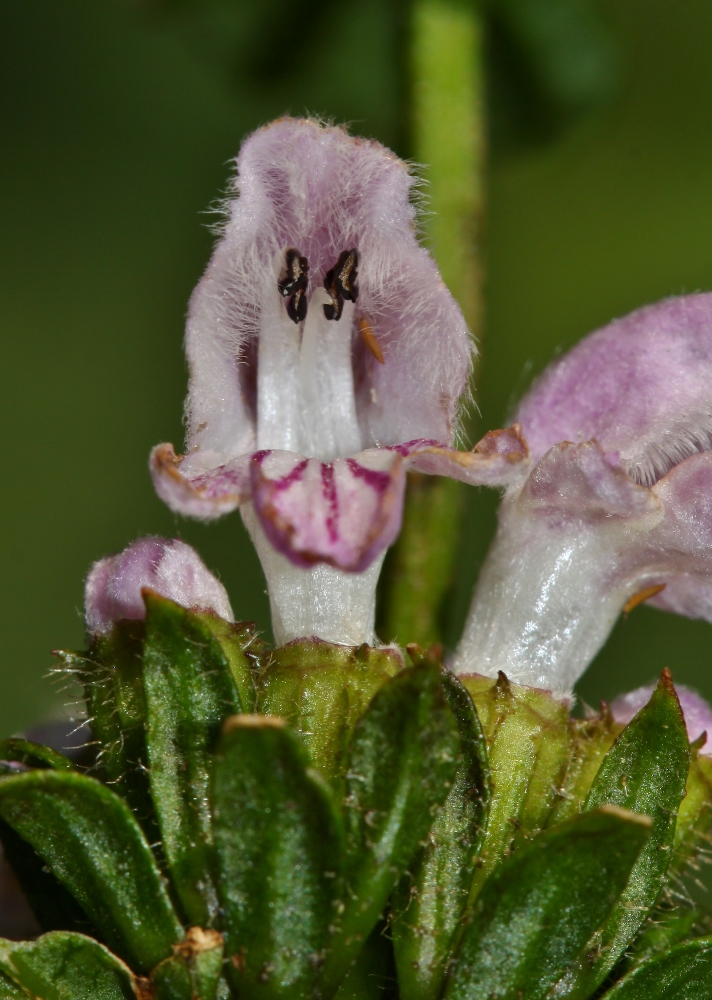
(293, 185)
(688, 437)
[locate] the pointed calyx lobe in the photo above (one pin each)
(617, 502)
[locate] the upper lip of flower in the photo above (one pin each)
(641, 388)
(321, 332)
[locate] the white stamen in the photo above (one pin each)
(278, 404)
(327, 405)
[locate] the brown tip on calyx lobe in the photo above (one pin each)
(701, 741)
(666, 681)
(626, 814)
(142, 988)
(508, 441)
(502, 685)
(196, 941)
(253, 722)
(433, 654)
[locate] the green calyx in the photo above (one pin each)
(321, 821)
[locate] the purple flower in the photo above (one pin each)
(697, 712)
(170, 567)
(325, 355)
(614, 505)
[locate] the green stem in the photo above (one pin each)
(448, 138)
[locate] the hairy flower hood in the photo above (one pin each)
(113, 589)
(325, 356)
(614, 504)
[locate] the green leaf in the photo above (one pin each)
(401, 766)
(591, 741)
(321, 690)
(644, 771)
(431, 899)
(373, 975)
(278, 842)
(66, 966)
(9, 990)
(529, 746)
(685, 973)
(53, 906)
(536, 914)
(242, 650)
(694, 816)
(190, 691)
(93, 845)
(34, 755)
(667, 926)
(193, 971)
(111, 674)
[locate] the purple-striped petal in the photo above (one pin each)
(342, 513)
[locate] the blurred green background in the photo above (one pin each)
(118, 122)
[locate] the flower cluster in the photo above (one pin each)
(327, 356)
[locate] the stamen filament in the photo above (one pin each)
(278, 418)
(329, 425)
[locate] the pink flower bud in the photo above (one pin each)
(170, 567)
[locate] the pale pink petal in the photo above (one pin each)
(580, 484)
(683, 541)
(343, 513)
(170, 567)
(641, 386)
(302, 184)
(206, 494)
(697, 712)
(500, 458)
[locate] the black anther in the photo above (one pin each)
(340, 283)
(293, 282)
(297, 306)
